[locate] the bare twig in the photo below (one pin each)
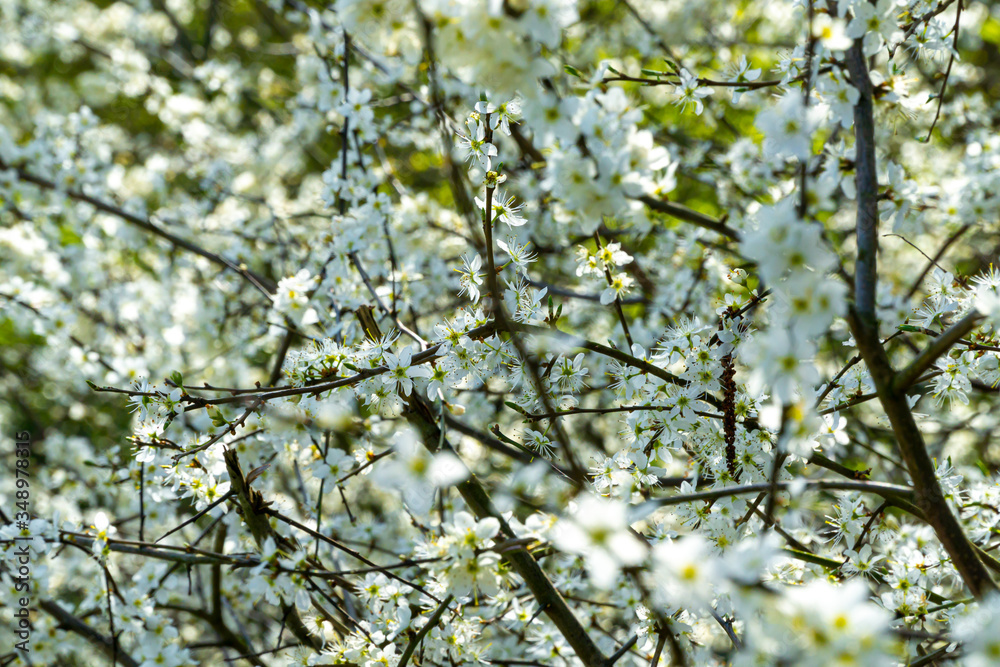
(404, 659)
(947, 73)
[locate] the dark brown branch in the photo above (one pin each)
(521, 561)
(689, 215)
(75, 625)
(263, 284)
(881, 489)
(938, 347)
(428, 626)
(929, 497)
(865, 276)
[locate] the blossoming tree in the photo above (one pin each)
(533, 332)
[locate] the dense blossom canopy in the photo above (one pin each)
(520, 332)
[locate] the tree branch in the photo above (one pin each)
(865, 271)
(864, 325)
(75, 625)
(938, 347)
(881, 489)
(261, 283)
(688, 215)
(424, 631)
(548, 598)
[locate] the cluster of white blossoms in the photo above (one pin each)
(603, 262)
(525, 332)
(292, 298)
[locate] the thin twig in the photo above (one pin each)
(947, 73)
(404, 659)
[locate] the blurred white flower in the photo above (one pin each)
(598, 530)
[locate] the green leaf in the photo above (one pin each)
(990, 31)
(515, 407)
(69, 236)
(218, 420)
(495, 430)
